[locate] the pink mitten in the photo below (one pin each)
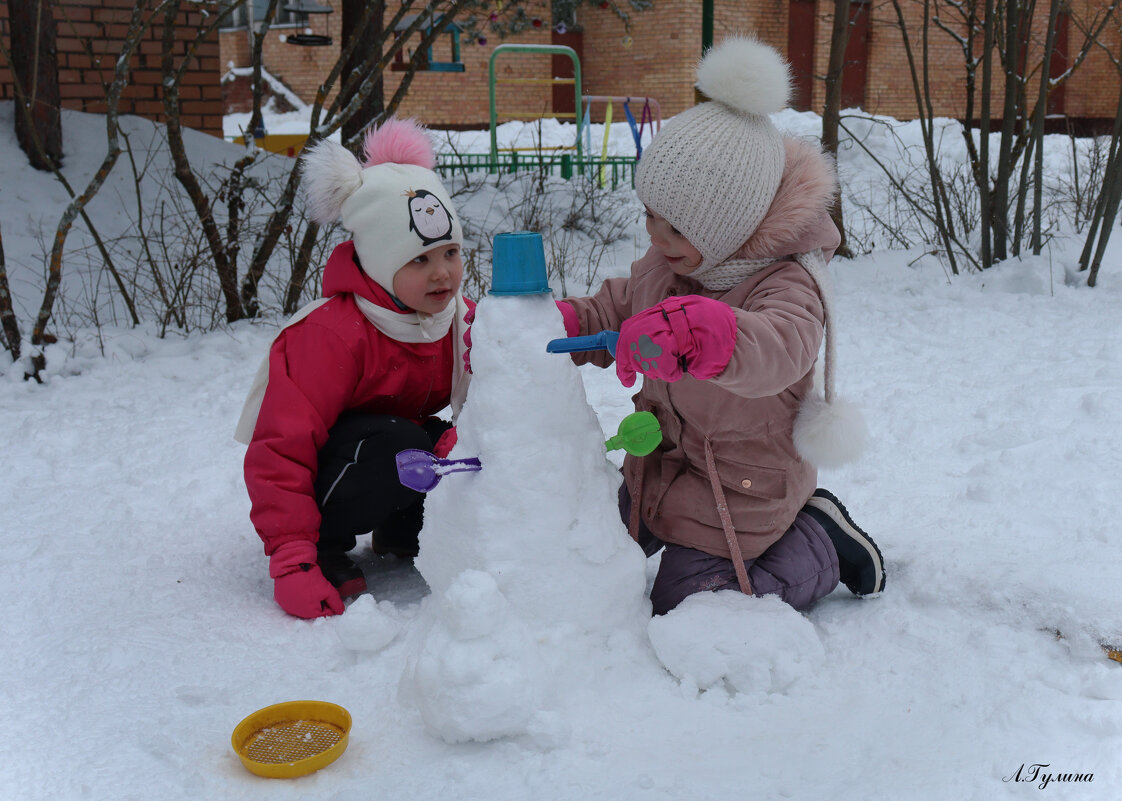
(298, 583)
(569, 316)
(445, 444)
(687, 334)
(469, 318)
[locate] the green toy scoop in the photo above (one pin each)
(639, 434)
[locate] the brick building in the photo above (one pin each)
(656, 58)
(89, 39)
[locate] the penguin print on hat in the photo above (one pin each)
(428, 217)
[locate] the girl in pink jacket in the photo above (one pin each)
(725, 316)
(360, 374)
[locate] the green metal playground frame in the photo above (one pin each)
(613, 169)
(560, 50)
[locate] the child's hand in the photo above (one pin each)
(569, 317)
(445, 444)
(298, 583)
(687, 334)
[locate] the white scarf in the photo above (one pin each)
(729, 273)
(410, 327)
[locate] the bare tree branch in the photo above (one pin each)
(355, 86)
(8, 322)
(915, 203)
(137, 27)
(225, 267)
(1110, 194)
(34, 63)
(926, 120)
(55, 166)
(831, 110)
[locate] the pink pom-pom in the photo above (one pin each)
(399, 142)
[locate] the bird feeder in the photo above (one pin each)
(425, 60)
(307, 39)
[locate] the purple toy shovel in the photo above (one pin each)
(421, 471)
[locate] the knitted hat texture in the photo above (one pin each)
(713, 170)
(395, 207)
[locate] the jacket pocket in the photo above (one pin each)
(752, 480)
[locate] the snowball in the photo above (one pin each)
(368, 625)
(752, 644)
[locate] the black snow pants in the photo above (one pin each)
(357, 488)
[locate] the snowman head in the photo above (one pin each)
(393, 204)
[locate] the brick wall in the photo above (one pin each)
(90, 35)
(889, 89)
(767, 19)
(461, 98)
(1092, 90)
(667, 42)
(657, 58)
(436, 98)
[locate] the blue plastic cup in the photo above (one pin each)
(518, 264)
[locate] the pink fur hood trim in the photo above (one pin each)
(809, 185)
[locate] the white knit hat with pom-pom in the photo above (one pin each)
(393, 204)
(713, 170)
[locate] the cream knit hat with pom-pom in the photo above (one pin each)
(394, 204)
(714, 169)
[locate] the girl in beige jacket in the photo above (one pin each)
(725, 316)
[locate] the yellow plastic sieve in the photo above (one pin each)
(292, 739)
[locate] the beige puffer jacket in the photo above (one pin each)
(742, 418)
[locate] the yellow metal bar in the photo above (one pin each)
(535, 114)
(558, 81)
(284, 144)
(534, 148)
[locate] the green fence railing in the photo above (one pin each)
(614, 171)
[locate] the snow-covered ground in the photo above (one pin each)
(141, 626)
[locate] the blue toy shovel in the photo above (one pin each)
(421, 471)
(639, 434)
(605, 340)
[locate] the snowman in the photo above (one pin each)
(536, 585)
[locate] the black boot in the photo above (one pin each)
(344, 575)
(859, 559)
(397, 534)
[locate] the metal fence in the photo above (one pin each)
(611, 171)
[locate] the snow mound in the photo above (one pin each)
(369, 625)
(751, 644)
(477, 674)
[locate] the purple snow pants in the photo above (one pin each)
(801, 567)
